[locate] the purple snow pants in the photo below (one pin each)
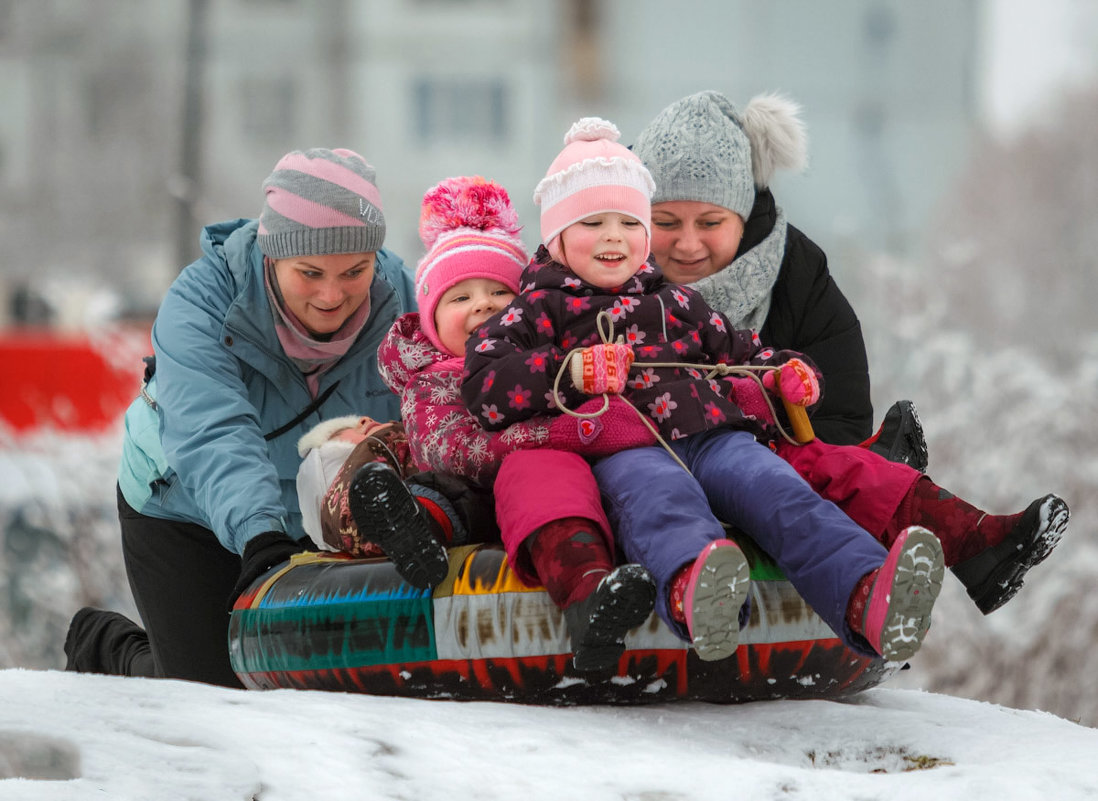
(663, 516)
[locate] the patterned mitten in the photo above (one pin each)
(617, 429)
(797, 381)
(602, 368)
(749, 396)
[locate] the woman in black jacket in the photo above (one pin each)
(716, 226)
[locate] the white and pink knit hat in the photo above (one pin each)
(593, 174)
(470, 229)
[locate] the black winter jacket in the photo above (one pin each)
(810, 314)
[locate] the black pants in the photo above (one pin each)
(181, 578)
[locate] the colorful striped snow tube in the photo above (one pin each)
(329, 622)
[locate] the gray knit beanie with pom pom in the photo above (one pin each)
(701, 148)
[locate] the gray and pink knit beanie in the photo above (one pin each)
(320, 202)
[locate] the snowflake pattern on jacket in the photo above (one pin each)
(514, 358)
(442, 435)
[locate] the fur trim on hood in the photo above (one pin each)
(324, 431)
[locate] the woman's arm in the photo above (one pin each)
(210, 429)
(810, 314)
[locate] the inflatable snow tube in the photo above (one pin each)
(330, 622)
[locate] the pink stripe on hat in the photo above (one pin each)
(308, 213)
(482, 247)
(582, 203)
(335, 173)
(320, 202)
(470, 238)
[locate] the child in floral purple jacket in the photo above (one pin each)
(592, 271)
(547, 502)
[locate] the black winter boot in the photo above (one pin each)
(598, 624)
(993, 576)
(101, 641)
(900, 437)
(388, 515)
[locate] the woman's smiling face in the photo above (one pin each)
(322, 292)
(692, 240)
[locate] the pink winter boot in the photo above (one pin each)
(901, 594)
(714, 593)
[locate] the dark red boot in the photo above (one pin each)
(994, 576)
(601, 603)
(990, 554)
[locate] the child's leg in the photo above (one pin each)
(662, 520)
(537, 487)
(822, 552)
(556, 534)
(866, 486)
(601, 603)
(387, 515)
(463, 508)
(990, 554)
(569, 558)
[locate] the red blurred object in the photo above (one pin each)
(73, 382)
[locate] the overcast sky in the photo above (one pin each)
(1035, 48)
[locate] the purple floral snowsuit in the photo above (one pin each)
(662, 515)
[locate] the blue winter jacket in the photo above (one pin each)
(223, 381)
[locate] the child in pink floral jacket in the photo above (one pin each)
(547, 503)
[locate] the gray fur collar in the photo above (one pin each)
(741, 291)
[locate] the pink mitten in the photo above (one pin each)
(751, 399)
(797, 381)
(602, 368)
(617, 429)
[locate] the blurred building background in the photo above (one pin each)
(127, 124)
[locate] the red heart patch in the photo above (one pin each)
(589, 428)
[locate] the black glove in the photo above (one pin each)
(261, 554)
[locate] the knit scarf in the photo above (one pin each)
(741, 291)
(311, 355)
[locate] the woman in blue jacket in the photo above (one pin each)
(272, 330)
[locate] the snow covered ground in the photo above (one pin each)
(68, 737)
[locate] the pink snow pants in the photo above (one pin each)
(862, 483)
(537, 486)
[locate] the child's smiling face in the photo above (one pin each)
(605, 249)
(464, 307)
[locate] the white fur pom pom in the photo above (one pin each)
(777, 134)
(591, 129)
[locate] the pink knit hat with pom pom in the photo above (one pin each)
(593, 174)
(470, 230)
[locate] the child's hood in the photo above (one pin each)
(544, 272)
(323, 431)
(406, 351)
